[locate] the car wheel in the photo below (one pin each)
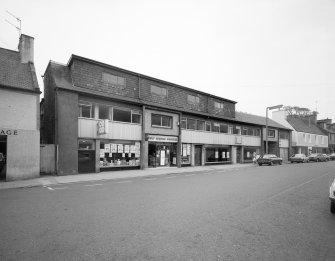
(332, 207)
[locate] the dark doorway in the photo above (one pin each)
(197, 155)
(3, 156)
(86, 161)
(238, 154)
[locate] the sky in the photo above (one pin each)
(259, 53)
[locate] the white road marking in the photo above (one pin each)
(49, 188)
(150, 179)
(126, 181)
(61, 188)
(91, 185)
(170, 177)
(187, 175)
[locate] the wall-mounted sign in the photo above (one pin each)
(8, 132)
(238, 140)
(160, 138)
(102, 127)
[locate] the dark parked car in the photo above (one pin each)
(298, 158)
(332, 156)
(269, 159)
(317, 157)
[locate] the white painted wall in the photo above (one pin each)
(18, 110)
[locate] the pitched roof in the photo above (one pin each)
(15, 74)
(258, 120)
(303, 125)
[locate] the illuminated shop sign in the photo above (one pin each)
(159, 138)
(8, 132)
(102, 127)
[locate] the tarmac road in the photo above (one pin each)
(257, 213)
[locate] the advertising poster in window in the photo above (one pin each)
(228, 154)
(120, 148)
(102, 153)
(248, 154)
(132, 148)
(107, 148)
(113, 148)
(188, 150)
(223, 154)
(126, 148)
(216, 154)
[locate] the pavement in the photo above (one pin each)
(111, 175)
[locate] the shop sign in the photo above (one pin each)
(159, 138)
(8, 132)
(102, 127)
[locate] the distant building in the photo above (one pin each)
(101, 117)
(307, 137)
(329, 128)
(19, 112)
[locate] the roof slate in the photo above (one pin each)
(13, 73)
(303, 125)
(258, 120)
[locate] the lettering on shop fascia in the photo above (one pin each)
(102, 126)
(8, 132)
(162, 138)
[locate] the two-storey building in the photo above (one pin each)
(19, 112)
(329, 128)
(307, 137)
(101, 117)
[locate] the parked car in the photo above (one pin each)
(332, 156)
(269, 159)
(298, 158)
(332, 197)
(326, 156)
(317, 157)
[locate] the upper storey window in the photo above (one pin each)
(160, 91)
(191, 99)
(218, 105)
(85, 109)
(113, 79)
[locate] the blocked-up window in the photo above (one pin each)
(113, 79)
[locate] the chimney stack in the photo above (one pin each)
(26, 48)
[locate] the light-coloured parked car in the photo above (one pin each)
(317, 157)
(332, 156)
(269, 159)
(298, 158)
(332, 197)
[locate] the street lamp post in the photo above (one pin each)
(266, 125)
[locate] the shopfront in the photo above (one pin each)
(218, 155)
(119, 154)
(249, 153)
(162, 151)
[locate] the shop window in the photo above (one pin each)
(113, 79)
(121, 115)
(230, 129)
(249, 153)
(186, 154)
(136, 117)
(237, 130)
(191, 99)
(191, 124)
(216, 127)
(161, 121)
(104, 112)
(85, 109)
(245, 131)
(183, 123)
(121, 154)
(160, 91)
(86, 145)
(217, 155)
(200, 125)
(271, 133)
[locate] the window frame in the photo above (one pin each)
(196, 100)
(86, 104)
(161, 118)
(160, 94)
(111, 81)
(274, 133)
